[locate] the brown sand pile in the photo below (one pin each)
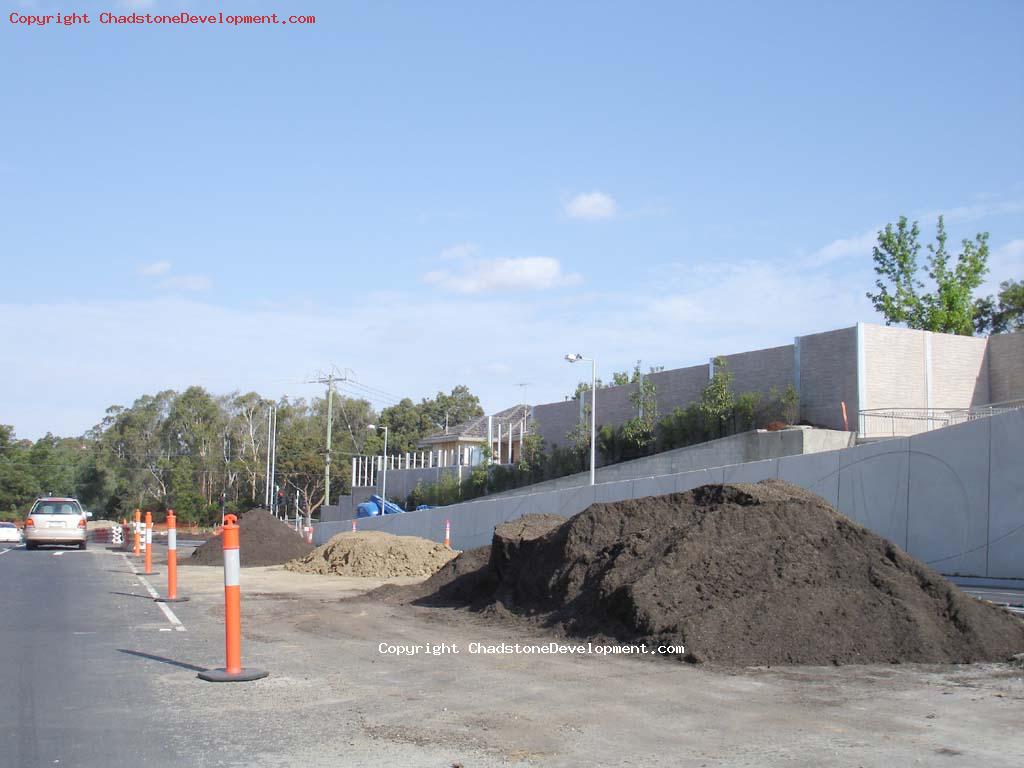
(742, 574)
(374, 554)
(262, 540)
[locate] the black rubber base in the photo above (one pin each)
(170, 600)
(221, 676)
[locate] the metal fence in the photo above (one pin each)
(903, 422)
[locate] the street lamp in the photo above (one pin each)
(593, 406)
(384, 469)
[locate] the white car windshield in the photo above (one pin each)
(57, 508)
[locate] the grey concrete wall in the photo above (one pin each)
(761, 370)
(554, 420)
(679, 387)
(828, 376)
(735, 449)
(1006, 366)
(953, 497)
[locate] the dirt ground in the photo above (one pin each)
(334, 698)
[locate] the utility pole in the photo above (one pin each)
(329, 380)
(270, 422)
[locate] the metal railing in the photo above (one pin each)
(903, 422)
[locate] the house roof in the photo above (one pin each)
(475, 430)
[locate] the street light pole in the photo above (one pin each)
(575, 358)
(384, 469)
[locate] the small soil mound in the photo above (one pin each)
(460, 581)
(374, 554)
(739, 574)
(262, 540)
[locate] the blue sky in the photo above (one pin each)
(433, 194)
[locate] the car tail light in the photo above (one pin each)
(81, 523)
(30, 523)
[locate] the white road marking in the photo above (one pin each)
(175, 621)
(58, 554)
(4, 552)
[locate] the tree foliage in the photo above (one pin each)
(1004, 313)
(188, 450)
(949, 307)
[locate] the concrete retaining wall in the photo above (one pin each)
(953, 497)
(735, 449)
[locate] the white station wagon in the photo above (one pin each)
(56, 520)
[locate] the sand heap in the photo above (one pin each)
(262, 540)
(374, 554)
(739, 574)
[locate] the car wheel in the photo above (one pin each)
(83, 545)
(30, 545)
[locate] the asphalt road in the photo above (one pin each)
(74, 689)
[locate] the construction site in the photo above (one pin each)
(765, 611)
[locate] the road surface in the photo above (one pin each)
(95, 675)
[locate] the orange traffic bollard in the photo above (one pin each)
(136, 550)
(448, 533)
(232, 671)
(353, 525)
(172, 561)
(149, 545)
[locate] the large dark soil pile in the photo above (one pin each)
(743, 574)
(262, 540)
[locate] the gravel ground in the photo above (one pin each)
(334, 699)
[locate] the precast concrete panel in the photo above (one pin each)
(873, 487)
(948, 498)
(609, 492)
(654, 486)
(1006, 498)
(689, 480)
(817, 472)
(752, 472)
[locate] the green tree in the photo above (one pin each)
(716, 399)
(457, 407)
(407, 423)
(1002, 314)
(901, 297)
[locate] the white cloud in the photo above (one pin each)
(856, 247)
(591, 205)
(974, 212)
(1004, 263)
(187, 283)
(533, 273)
(155, 269)
(460, 251)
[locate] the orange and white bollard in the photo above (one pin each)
(136, 547)
(353, 525)
(232, 671)
(448, 533)
(172, 561)
(149, 545)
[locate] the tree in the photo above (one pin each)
(716, 399)
(1002, 314)
(407, 423)
(458, 407)
(950, 307)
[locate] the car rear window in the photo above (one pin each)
(8, 525)
(56, 508)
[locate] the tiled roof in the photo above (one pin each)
(476, 429)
